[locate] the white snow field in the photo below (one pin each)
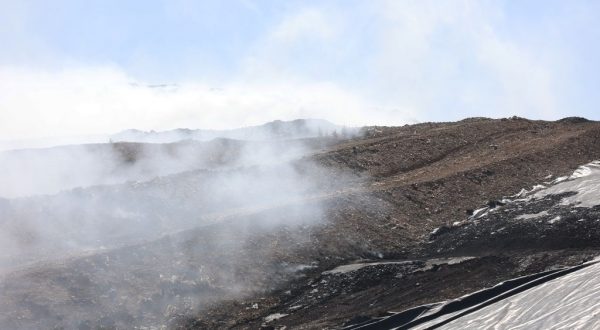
(585, 181)
(568, 302)
(567, 298)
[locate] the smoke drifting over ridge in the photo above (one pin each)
(111, 201)
(138, 156)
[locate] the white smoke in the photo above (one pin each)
(113, 200)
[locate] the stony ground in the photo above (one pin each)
(428, 176)
(400, 183)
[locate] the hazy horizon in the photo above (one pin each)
(67, 69)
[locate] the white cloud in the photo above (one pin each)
(445, 56)
(298, 46)
(98, 100)
(408, 61)
(434, 60)
(308, 23)
(525, 85)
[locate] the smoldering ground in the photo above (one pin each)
(156, 231)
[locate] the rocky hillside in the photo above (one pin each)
(355, 229)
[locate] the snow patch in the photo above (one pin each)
(428, 264)
(479, 212)
(354, 267)
(586, 170)
(568, 302)
(532, 216)
(274, 317)
(554, 220)
(585, 181)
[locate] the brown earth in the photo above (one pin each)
(403, 182)
(421, 177)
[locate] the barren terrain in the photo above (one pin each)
(353, 244)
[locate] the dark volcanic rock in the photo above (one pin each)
(241, 271)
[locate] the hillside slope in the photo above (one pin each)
(371, 207)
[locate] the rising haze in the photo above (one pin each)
(301, 164)
(69, 68)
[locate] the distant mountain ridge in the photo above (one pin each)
(275, 130)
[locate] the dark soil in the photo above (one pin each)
(403, 183)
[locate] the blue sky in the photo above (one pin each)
(86, 67)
